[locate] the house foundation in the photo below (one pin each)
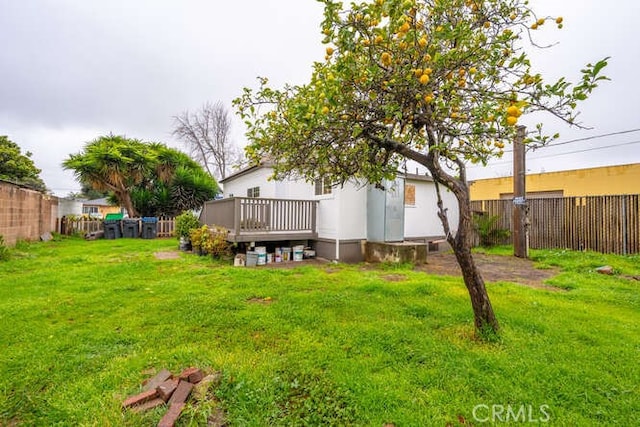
(410, 252)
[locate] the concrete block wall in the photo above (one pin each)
(25, 214)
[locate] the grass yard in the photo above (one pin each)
(84, 323)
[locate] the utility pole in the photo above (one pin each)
(520, 221)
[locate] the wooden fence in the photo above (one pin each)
(607, 224)
(83, 225)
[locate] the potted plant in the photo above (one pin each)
(185, 222)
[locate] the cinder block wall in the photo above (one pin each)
(25, 214)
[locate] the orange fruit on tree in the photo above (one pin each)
(514, 111)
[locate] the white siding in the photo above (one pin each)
(422, 219)
(342, 214)
(257, 178)
(285, 189)
(353, 212)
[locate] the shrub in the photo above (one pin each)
(216, 243)
(185, 222)
(210, 240)
(196, 236)
(4, 250)
(488, 231)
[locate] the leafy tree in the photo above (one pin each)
(17, 167)
(146, 178)
(207, 135)
(439, 82)
(88, 192)
(179, 184)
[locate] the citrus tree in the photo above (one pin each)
(439, 82)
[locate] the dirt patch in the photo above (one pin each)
(494, 268)
(167, 255)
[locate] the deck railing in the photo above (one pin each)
(255, 216)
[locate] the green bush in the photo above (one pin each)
(488, 231)
(185, 222)
(210, 241)
(216, 243)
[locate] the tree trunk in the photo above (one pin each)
(484, 317)
(125, 199)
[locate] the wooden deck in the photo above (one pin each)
(257, 219)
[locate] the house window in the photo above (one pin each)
(90, 210)
(253, 192)
(323, 186)
(409, 195)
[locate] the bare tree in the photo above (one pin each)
(206, 134)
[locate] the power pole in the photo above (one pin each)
(520, 221)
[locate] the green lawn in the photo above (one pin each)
(84, 323)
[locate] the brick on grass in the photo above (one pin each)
(172, 415)
(193, 375)
(140, 398)
(148, 405)
(182, 392)
(158, 379)
(166, 389)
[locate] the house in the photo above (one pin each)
(600, 181)
(69, 206)
(336, 221)
(99, 208)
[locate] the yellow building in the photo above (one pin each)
(607, 180)
(99, 208)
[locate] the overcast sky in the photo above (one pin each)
(72, 70)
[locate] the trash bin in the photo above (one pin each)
(112, 228)
(149, 227)
(113, 216)
(131, 227)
